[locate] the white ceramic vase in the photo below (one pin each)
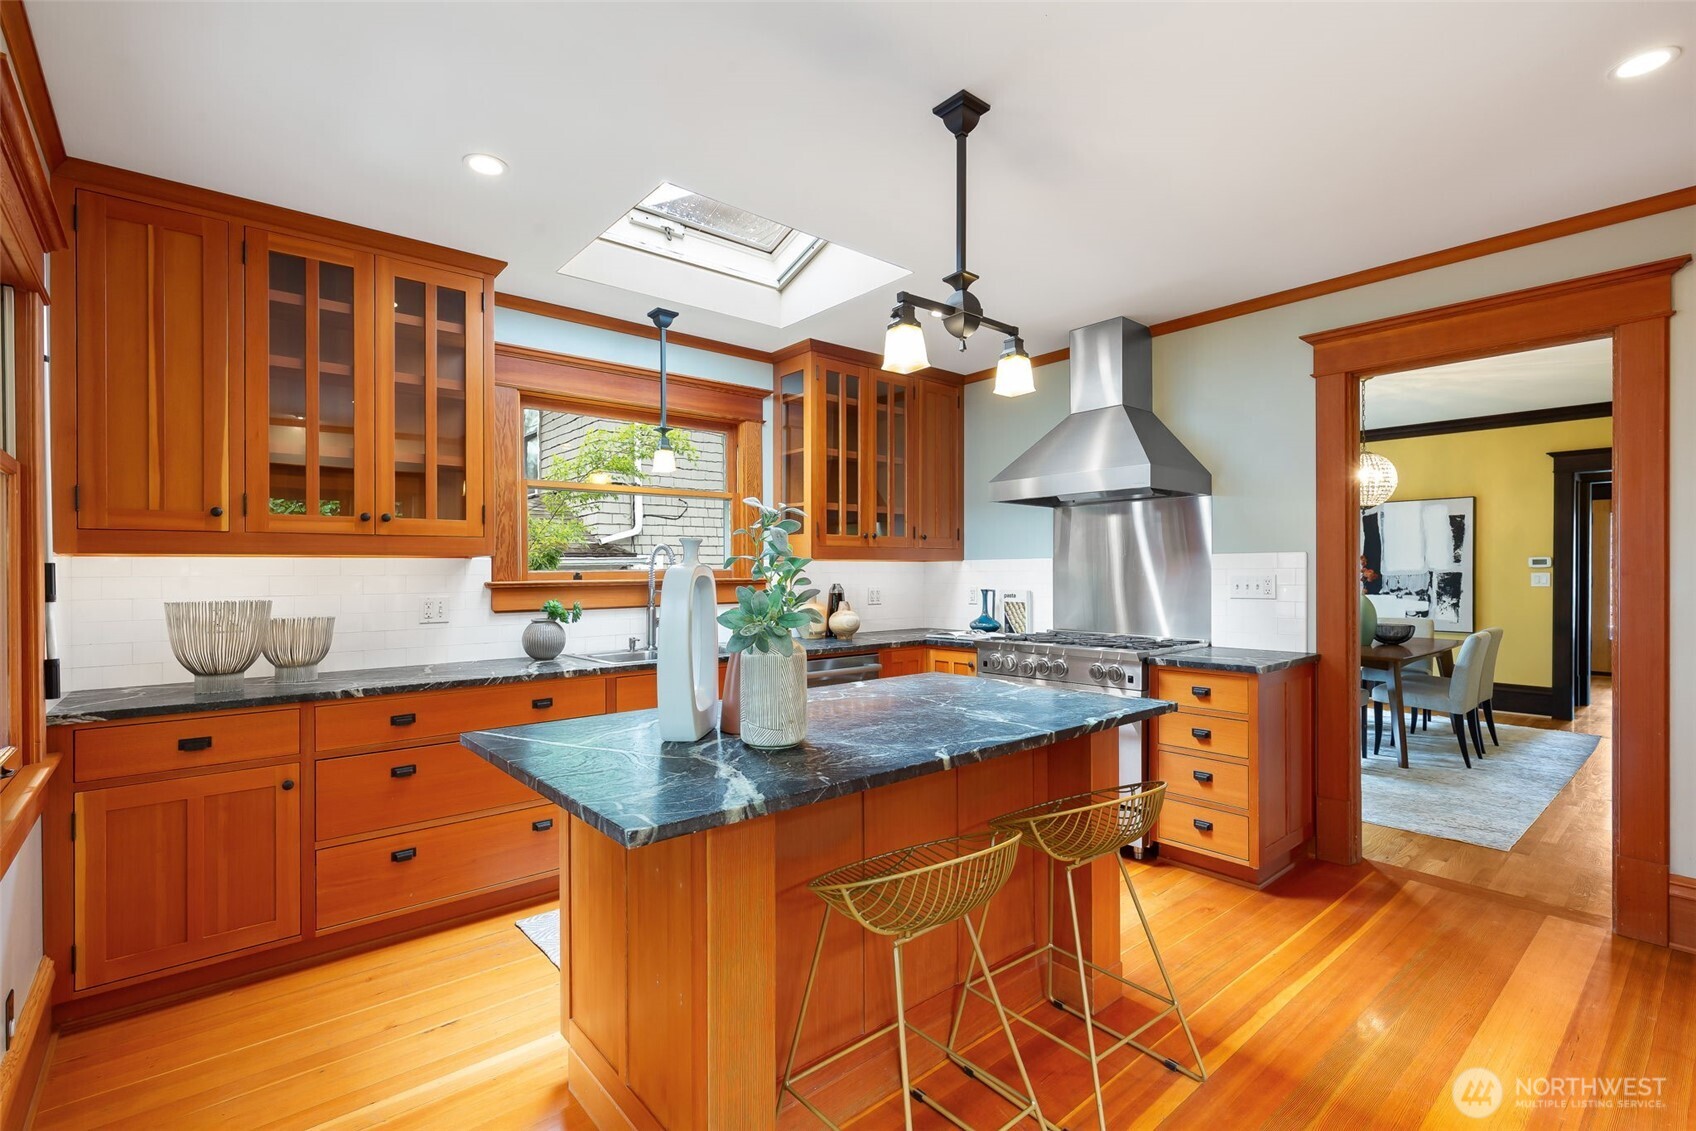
(688, 646)
(774, 698)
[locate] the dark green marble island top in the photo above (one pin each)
(613, 772)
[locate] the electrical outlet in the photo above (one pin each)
(874, 596)
(434, 610)
(1539, 581)
(1254, 586)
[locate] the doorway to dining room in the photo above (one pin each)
(1476, 779)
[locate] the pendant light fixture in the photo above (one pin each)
(962, 314)
(665, 460)
(1375, 474)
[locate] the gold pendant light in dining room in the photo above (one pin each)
(1375, 474)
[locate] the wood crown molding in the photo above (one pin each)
(241, 212)
(588, 381)
(625, 326)
(20, 41)
(20, 1069)
(1526, 419)
(28, 188)
(856, 357)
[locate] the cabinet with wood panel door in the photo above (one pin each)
(874, 458)
(244, 379)
(953, 661)
(152, 369)
(185, 868)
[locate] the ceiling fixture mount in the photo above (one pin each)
(485, 163)
(1646, 62)
(962, 314)
(665, 460)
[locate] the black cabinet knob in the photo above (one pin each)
(190, 745)
(288, 784)
(402, 855)
(405, 771)
(1202, 776)
(405, 720)
(216, 512)
(541, 704)
(364, 516)
(543, 825)
(1204, 826)
(1201, 692)
(386, 517)
(1201, 732)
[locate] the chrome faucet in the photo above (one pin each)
(653, 564)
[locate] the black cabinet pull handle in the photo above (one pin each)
(1204, 826)
(364, 516)
(1201, 732)
(402, 855)
(543, 825)
(1202, 776)
(288, 784)
(386, 517)
(405, 720)
(1201, 692)
(216, 512)
(203, 742)
(405, 771)
(541, 704)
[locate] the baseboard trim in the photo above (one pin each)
(21, 1067)
(1681, 918)
(1524, 699)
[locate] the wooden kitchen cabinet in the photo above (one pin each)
(953, 661)
(874, 458)
(187, 868)
(245, 379)
(153, 368)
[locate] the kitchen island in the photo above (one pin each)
(686, 924)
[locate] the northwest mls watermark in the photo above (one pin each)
(1479, 1093)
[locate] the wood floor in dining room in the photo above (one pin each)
(1564, 861)
(1339, 997)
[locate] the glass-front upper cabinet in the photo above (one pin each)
(843, 392)
(309, 378)
(430, 400)
(890, 491)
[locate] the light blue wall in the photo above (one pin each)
(521, 328)
(998, 429)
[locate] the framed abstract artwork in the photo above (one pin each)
(1416, 560)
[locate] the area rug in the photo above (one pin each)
(543, 930)
(1492, 804)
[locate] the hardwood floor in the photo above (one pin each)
(1338, 997)
(1563, 861)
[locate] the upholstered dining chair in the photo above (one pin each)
(1487, 688)
(1457, 696)
(1422, 627)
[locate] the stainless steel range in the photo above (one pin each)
(1107, 662)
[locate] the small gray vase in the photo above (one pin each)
(544, 638)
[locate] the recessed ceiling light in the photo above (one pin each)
(485, 163)
(1644, 62)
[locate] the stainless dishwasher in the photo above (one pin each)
(823, 671)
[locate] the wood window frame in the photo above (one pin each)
(533, 378)
(1632, 306)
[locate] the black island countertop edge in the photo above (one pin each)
(106, 705)
(1254, 661)
(613, 772)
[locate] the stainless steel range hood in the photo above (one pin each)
(1111, 446)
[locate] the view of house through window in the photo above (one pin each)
(593, 502)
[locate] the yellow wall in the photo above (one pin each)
(1509, 472)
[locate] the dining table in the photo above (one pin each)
(1393, 658)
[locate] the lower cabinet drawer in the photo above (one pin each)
(1197, 826)
(390, 874)
(365, 793)
(1203, 779)
(1206, 733)
(185, 744)
(432, 716)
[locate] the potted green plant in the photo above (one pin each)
(544, 637)
(772, 666)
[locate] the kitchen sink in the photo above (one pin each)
(624, 656)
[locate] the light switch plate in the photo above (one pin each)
(1539, 581)
(433, 610)
(1254, 586)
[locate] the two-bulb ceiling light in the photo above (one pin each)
(665, 460)
(904, 340)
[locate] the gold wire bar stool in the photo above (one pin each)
(905, 894)
(1073, 832)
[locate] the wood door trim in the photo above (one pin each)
(1524, 419)
(1570, 468)
(590, 383)
(1632, 305)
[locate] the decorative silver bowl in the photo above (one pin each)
(216, 640)
(1394, 633)
(295, 645)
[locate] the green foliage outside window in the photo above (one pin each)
(606, 455)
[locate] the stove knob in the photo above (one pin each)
(992, 662)
(1058, 669)
(1043, 667)
(1115, 674)
(1027, 667)
(1097, 672)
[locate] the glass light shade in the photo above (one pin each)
(904, 347)
(1377, 477)
(665, 462)
(1013, 376)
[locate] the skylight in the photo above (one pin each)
(692, 249)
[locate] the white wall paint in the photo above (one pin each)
(20, 919)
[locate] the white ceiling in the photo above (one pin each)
(1581, 373)
(1147, 159)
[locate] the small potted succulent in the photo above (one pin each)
(772, 666)
(544, 637)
